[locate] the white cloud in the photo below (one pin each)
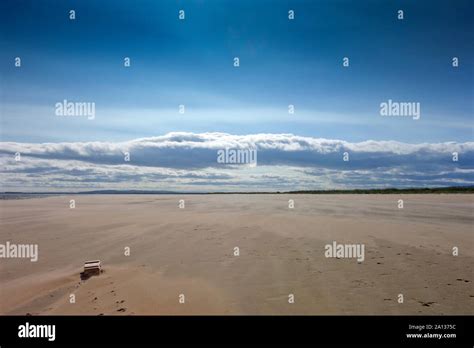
(188, 161)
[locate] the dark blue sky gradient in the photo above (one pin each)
(282, 62)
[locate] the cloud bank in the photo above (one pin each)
(188, 162)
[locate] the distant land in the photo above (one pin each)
(416, 190)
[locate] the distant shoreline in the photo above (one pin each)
(453, 189)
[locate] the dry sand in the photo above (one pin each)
(190, 251)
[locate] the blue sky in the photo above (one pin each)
(283, 62)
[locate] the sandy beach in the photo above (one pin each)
(190, 251)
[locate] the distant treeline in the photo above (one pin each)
(454, 189)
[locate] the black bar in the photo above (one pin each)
(288, 330)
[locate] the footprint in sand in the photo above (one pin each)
(426, 304)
